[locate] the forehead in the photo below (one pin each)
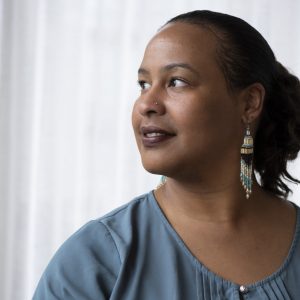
(181, 42)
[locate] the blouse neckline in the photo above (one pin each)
(196, 261)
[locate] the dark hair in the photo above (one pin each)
(245, 58)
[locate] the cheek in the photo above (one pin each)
(195, 115)
(208, 122)
(135, 117)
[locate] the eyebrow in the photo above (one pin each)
(170, 67)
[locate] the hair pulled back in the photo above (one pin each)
(245, 58)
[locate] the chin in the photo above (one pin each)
(153, 169)
(154, 166)
(160, 168)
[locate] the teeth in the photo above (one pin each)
(153, 134)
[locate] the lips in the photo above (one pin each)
(153, 136)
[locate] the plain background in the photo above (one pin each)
(68, 81)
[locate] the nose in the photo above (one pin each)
(151, 105)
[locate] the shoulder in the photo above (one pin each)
(87, 264)
(290, 271)
(295, 247)
(121, 213)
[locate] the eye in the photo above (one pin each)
(143, 85)
(177, 82)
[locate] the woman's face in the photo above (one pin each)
(185, 121)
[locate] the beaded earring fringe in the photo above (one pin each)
(247, 162)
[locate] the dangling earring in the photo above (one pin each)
(247, 162)
(162, 182)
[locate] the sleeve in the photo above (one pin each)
(85, 267)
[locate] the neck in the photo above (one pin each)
(221, 203)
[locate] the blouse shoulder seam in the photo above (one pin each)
(108, 231)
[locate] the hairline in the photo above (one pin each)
(218, 33)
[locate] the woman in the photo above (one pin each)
(210, 89)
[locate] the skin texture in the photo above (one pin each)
(203, 198)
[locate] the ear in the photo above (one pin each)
(253, 100)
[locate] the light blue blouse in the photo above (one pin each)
(133, 253)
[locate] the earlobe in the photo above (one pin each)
(254, 100)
